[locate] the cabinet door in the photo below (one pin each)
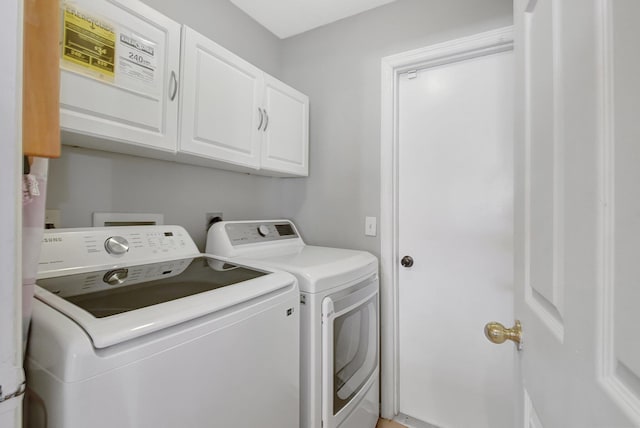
(219, 105)
(132, 104)
(40, 80)
(285, 148)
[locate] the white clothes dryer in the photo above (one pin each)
(339, 353)
(133, 327)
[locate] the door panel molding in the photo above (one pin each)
(620, 381)
(544, 292)
(487, 43)
(531, 418)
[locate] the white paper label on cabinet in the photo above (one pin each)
(137, 63)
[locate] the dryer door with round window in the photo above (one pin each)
(349, 348)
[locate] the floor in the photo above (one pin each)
(405, 421)
(385, 423)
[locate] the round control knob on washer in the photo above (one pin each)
(116, 245)
(263, 230)
(116, 277)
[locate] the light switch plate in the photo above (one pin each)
(370, 226)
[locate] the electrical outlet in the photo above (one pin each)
(212, 218)
(51, 219)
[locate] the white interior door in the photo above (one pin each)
(577, 234)
(455, 190)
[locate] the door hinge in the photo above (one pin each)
(412, 74)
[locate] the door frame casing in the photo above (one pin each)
(11, 372)
(486, 43)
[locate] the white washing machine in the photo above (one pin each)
(339, 317)
(133, 327)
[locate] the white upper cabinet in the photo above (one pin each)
(133, 81)
(235, 116)
(286, 130)
(119, 77)
(220, 101)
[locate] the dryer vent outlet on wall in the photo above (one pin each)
(212, 218)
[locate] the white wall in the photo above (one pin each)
(338, 66)
(84, 181)
(224, 23)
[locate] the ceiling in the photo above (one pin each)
(286, 18)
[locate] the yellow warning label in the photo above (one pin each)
(89, 43)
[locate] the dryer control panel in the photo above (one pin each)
(81, 249)
(241, 233)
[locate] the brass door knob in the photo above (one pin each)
(497, 333)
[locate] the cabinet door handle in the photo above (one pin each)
(261, 118)
(174, 80)
(266, 124)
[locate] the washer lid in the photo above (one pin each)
(317, 268)
(119, 304)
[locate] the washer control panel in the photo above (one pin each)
(101, 280)
(65, 249)
(241, 233)
(116, 245)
